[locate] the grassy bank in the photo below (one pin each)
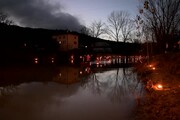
(161, 76)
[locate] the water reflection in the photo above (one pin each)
(42, 94)
(68, 75)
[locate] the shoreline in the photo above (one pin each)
(162, 83)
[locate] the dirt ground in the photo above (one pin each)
(161, 76)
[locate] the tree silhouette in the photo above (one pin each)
(4, 18)
(85, 30)
(127, 29)
(162, 18)
(116, 21)
(97, 28)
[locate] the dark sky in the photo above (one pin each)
(39, 13)
(63, 14)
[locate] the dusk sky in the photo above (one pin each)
(63, 14)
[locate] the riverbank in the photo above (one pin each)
(161, 76)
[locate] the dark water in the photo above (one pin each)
(68, 93)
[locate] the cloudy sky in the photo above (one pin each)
(63, 14)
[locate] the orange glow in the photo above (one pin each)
(36, 62)
(153, 68)
(158, 87)
(80, 72)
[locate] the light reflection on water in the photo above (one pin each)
(68, 93)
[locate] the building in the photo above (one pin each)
(67, 41)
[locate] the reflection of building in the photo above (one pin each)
(67, 41)
(68, 75)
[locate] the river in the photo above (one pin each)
(68, 92)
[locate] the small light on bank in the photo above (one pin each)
(153, 68)
(158, 87)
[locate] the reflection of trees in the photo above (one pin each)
(92, 82)
(125, 84)
(118, 83)
(95, 84)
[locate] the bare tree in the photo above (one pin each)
(116, 21)
(162, 17)
(127, 29)
(85, 30)
(97, 28)
(139, 28)
(4, 18)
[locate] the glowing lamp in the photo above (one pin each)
(36, 60)
(153, 68)
(159, 86)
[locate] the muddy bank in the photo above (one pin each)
(161, 76)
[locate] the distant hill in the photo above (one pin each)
(22, 42)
